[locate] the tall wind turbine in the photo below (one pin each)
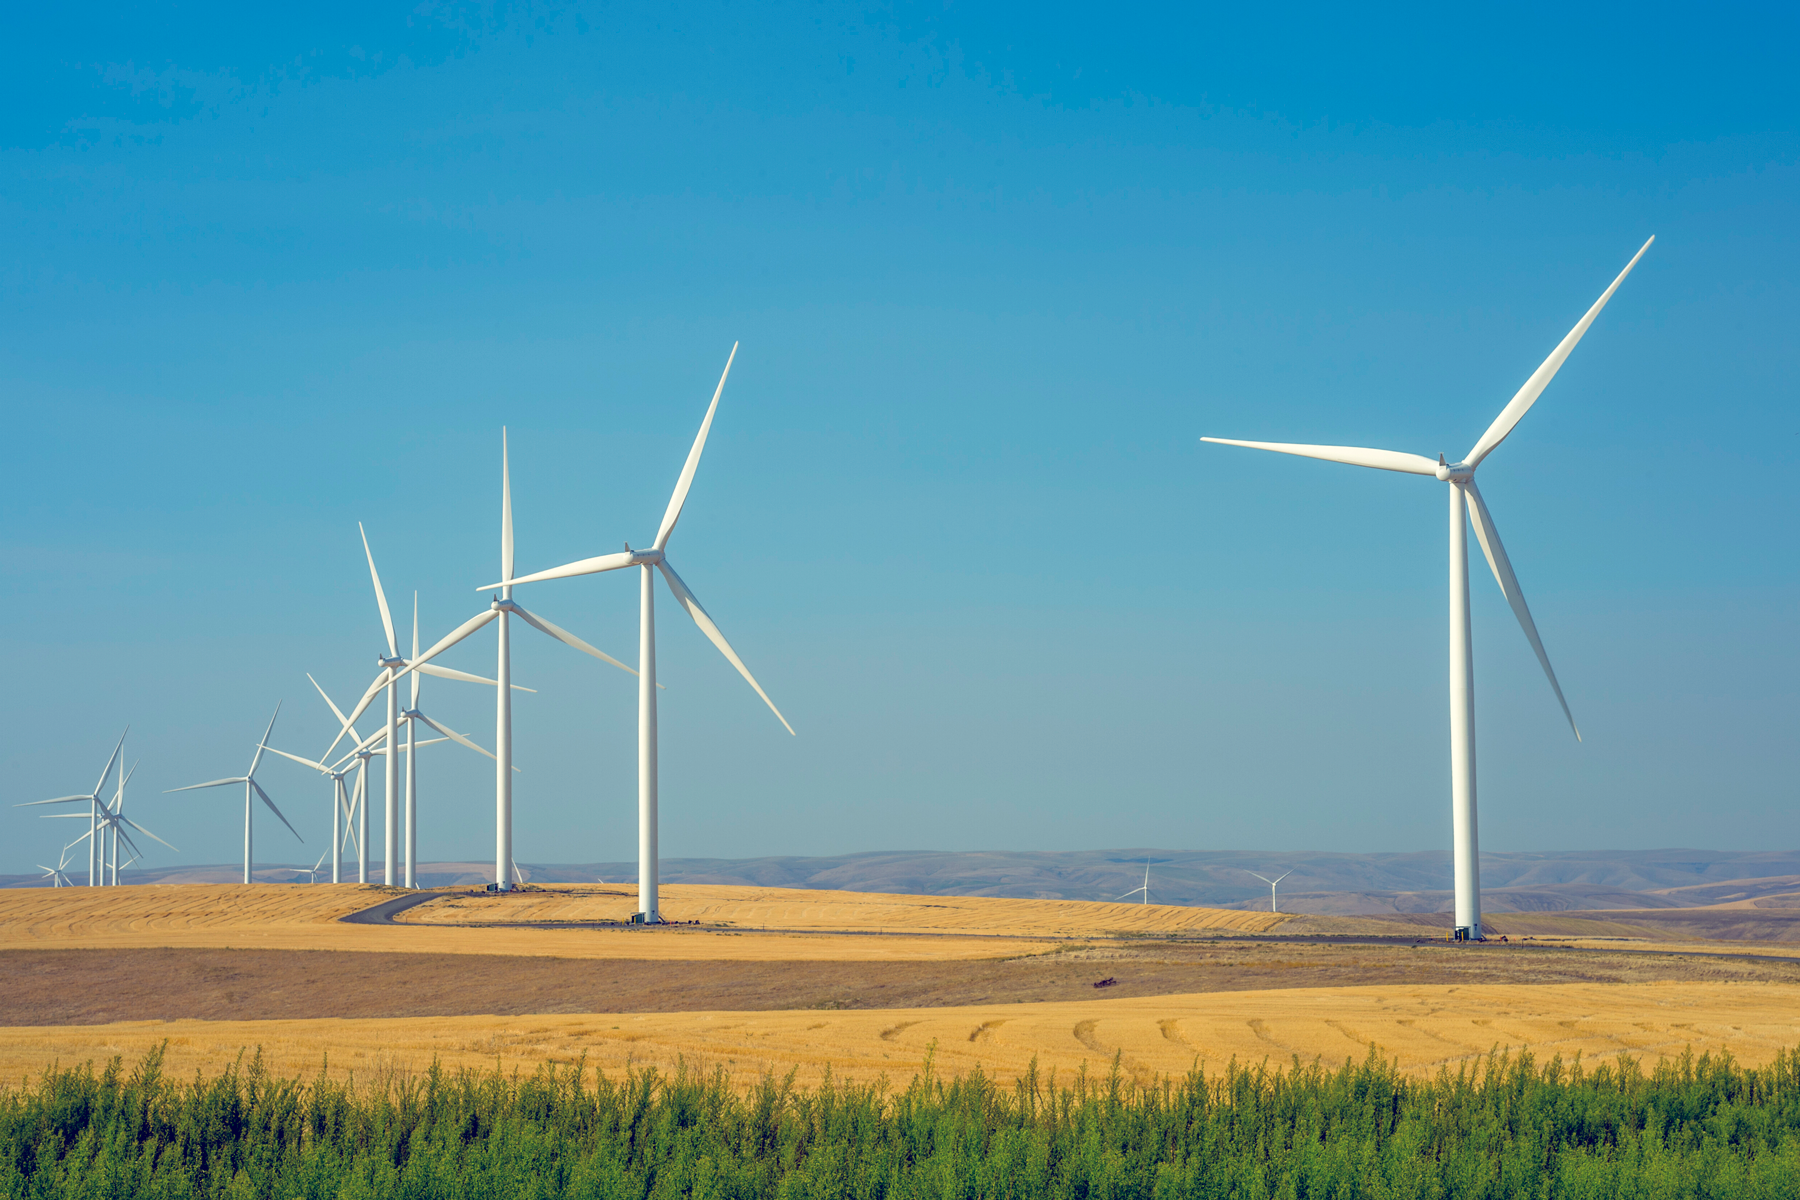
(389, 665)
(94, 803)
(343, 813)
(1465, 497)
(648, 561)
(111, 828)
(252, 790)
(1145, 889)
(1271, 883)
(502, 607)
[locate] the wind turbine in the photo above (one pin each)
(94, 804)
(1145, 889)
(1465, 497)
(649, 560)
(1271, 883)
(252, 790)
(112, 822)
(57, 875)
(502, 607)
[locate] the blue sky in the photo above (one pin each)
(994, 272)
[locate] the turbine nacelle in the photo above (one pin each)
(1454, 472)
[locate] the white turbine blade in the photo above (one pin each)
(58, 800)
(321, 861)
(691, 602)
(64, 817)
(1264, 878)
(273, 809)
(1356, 456)
(113, 757)
(567, 638)
(305, 762)
(586, 566)
(673, 513)
(453, 735)
(506, 536)
(194, 787)
(448, 640)
(1489, 536)
(146, 832)
(1540, 379)
(447, 673)
(262, 741)
(387, 621)
(335, 710)
(414, 702)
(1281, 877)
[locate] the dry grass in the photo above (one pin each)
(1422, 1027)
(855, 912)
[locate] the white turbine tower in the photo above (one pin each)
(252, 790)
(95, 804)
(1465, 497)
(1145, 889)
(111, 827)
(648, 561)
(502, 607)
(1271, 883)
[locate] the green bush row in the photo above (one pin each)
(1506, 1127)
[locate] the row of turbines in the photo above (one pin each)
(1466, 508)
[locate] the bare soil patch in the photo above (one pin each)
(81, 987)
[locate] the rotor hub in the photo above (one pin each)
(1455, 472)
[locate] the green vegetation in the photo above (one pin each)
(1508, 1128)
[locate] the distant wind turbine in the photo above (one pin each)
(56, 875)
(654, 559)
(1466, 505)
(111, 828)
(252, 790)
(1271, 883)
(501, 608)
(1145, 889)
(94, 803)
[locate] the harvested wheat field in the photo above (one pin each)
(1422, 1029)
(849, 912)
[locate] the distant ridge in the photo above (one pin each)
(1323, 882)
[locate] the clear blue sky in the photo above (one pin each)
(995, 270)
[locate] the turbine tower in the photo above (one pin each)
(252, 790)
(654, 559)
(502, 607)
(1466, 506)
(1271, 883)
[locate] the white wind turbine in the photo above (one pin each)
(112, 827)
(252, 790)
(1465, 497)
(94, 803)
(1145, 889)
(502, 607)
(57, 876)
(647, 560)
(1271, 883)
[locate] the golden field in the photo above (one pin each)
(290, 917)
(1423, 1029)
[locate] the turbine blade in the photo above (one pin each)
(1489, 536)
(257, 757)
(1264, 878)
(447, 673)
(113, 757)
(586, 566)
(194, 787)
(1521, 403)
(414, 702)
(387, 621)
(448, 640)
(273, 809)
(146, 833)
(691, 602)
(1356, 456)
(305, 762)
(453, 735)
(567, 638)
(1281, 877)
(335, 710)
(58, 800)
(673, 513)
(506, 535)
